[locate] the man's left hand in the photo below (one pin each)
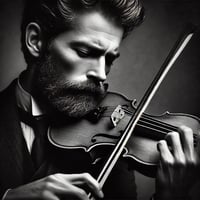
(179, 165)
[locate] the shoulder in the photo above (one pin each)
(7, 100)
(8, 92)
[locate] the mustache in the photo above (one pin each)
(88, 87)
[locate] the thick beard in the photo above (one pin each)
(71, 99)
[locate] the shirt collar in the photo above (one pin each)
(27, 102)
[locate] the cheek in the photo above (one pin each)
(69, 63)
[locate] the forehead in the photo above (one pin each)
(95, 29)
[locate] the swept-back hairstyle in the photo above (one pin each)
(55, 16)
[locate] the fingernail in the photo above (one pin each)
(101, 194)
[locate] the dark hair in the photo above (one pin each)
(55, 16)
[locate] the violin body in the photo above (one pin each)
(98, 135)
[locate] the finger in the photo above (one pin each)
(90, 183)
(85, 179)
(61, 188)
(166, 159)
(173, 138)
(48, 195)
(186, 134)
(165, 155)
(73, 191)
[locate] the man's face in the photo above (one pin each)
(71, 76)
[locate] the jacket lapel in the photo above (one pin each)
(13, 150)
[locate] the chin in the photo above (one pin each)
(75, 106)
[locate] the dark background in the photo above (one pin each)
(142, 54)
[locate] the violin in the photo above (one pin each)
(98, 133)
(125, 129)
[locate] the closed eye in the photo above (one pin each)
(87, 51)
(83, 52)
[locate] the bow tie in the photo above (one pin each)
(40, 126)
(29, 119)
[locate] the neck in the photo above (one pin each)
(27, 79)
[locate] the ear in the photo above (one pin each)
(34, 39)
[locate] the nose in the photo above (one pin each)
(98, 70)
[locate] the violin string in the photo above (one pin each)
(162, 133)
(145, 117)
(164, 125)
(159, 124)
(159, 134)
(155, 127)
(160, 127)
(165, 128)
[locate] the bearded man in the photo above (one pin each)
(69, 47)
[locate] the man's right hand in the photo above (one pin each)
(56, 187)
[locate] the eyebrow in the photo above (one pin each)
(93, 48)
